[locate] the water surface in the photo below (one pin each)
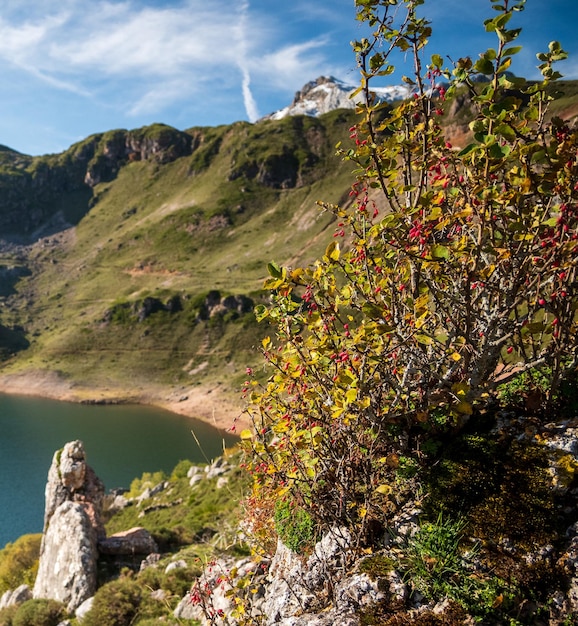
(121, 442)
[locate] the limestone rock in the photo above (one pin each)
(70, 478)
(83, 609)
(72, 528)
(16, 596)
(67, 570)
(137, 540)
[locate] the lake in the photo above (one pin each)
(121, 442)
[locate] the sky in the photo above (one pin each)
(71, 68)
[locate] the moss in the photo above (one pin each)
(377, 566)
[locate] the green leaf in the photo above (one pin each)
(274, 270)
(440, 252)
(437, 61)
(508, 52)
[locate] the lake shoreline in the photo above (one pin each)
(212, 405)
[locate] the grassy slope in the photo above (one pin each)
(180, 228)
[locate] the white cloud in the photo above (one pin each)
(144, 58)
(286, 67)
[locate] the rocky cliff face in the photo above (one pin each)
(42, 195)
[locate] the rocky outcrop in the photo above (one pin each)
(134, 541)
(158, 143)
(289, 590)
(72, 527)
(14, 597)
(33, 189)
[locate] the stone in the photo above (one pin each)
(180, 564)
(137, 540)
(67, 569)
(14, 597)
(84, 608)
(72, 527)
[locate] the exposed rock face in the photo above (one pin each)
(294, 591)
(72, 528)
(67, 570)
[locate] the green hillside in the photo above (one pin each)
(112, 252)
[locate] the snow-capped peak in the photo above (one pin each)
(328, 93)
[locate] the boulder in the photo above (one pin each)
(68, 559)
(134, 541)
(72, 527)
(14, 597)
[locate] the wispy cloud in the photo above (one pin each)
(155, 55)
(248, 99)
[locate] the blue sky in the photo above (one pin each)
(71, 68)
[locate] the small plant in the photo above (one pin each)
(434, 563)
(294, 525)
(115, 604)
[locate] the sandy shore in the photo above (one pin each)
(209, 404)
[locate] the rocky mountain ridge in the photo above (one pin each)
(328, 93)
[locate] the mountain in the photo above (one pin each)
(130, 263)
(328, 93)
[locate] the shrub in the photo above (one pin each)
(39, 613)
(115, 604)
(451, 271)
(19, 562)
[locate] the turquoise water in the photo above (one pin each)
(121, 442)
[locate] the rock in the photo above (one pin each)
(137, 540)
(151, 560)
(72, 527)
(67, 570)
(160, 595)
(180, 564)
(14, 597)
(71, 479)
(83, 609)
(221, 482)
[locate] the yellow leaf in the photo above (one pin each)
(246, 434)
(384, 489)
(332, 251)
(456, 356)
(351, 396)
(362, 512)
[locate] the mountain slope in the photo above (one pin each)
(129, 264)
(113, 251)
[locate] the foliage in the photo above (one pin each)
(19, 562)
(451, 271)
(115, 604)
(39, 613)
(437, 566)
(147, 481)
(294, 525)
